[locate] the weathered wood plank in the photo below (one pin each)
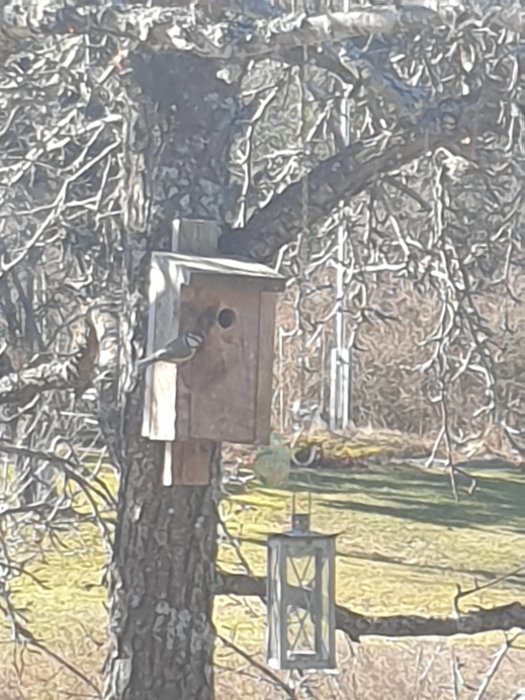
(263, 398)
(195, 237)
(217, 389)
(162, 326)
(168, 281)
(190, 462)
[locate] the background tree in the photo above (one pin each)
(118, 118)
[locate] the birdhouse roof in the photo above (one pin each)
(227, 269)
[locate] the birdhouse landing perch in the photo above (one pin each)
(224, 391)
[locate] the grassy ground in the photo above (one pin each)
(404, 547)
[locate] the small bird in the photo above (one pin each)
(177, 351)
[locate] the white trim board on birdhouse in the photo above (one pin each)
(253, 275)
(224, 392)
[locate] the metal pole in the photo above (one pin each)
(340, 356)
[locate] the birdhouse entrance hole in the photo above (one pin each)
(226, 318)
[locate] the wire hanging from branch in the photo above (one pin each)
(303, 172)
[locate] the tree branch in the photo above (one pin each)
(297, 30)
(74, 372)
(345, 175)
(274, 678)
(355, 625)
(21, 387)
(172, 28)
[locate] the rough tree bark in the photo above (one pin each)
(163, 572)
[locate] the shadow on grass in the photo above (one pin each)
(516, 580)
(420, 496)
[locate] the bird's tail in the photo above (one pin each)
(142, 364)
(147, 361)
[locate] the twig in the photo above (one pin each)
(493, 669)
(288, 691)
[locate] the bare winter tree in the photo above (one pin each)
(116, 118)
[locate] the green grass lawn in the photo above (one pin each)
(404, 542)
(404, 546)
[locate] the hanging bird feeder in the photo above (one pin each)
(301, 597)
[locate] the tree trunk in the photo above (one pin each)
(165, 545)
(164, 563)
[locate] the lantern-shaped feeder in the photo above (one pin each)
(301, 598)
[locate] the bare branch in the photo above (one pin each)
(172, 29)
(343, 176)
(496, 663)
(274, 678)
(75, 372)
(25, 636)
(291, 31)
(355, 625)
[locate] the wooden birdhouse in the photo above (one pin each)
(224, 392)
